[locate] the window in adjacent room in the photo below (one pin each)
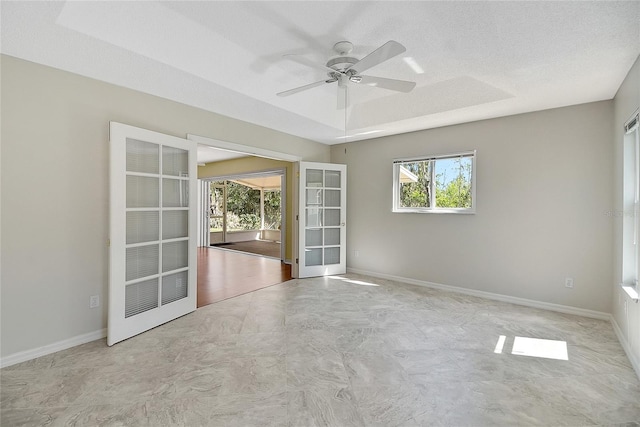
(444, 183)
(631, 200)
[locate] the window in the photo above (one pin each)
(631, 200)
(443, 183)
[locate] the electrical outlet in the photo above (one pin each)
(356, 254)
(94, 301)
(568, 282)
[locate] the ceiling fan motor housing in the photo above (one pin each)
(341, 63)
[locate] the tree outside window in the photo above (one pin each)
(442, 183)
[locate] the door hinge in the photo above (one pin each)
(298, 174)
(296, 217)
(297, 261)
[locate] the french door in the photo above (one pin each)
(322, 216)
(153, 229)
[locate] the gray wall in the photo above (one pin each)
(544, 190)
(626, 102)
(544, 184)
(54, 178)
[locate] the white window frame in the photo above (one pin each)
(397, 163)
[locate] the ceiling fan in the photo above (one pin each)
(345, 69)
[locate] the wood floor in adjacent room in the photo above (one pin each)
(224, 274)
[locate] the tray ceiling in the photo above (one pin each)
(471, 60)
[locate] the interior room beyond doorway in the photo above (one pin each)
(246, 213)
(258, 221)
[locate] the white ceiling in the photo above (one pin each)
(269, 182)
(207, 154)
(480, 59)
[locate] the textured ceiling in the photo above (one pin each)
(471, 60)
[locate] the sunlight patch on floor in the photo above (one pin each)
(500, 344)
(355, 282)
(535, 347)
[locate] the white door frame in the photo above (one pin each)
(203, 213)
(268, 154)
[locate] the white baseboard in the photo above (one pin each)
(23, 356)
(635, 362)
(489, 295)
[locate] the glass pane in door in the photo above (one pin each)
(174, 287)
(175, 193)
(313, 217)
(142, 261)
(332, 198)
(313, 256)
(142, 157)
(142, 226)
(331, 256)
(332, 236)
(332, 217)
(175, 224)
(314, 237)
(175, 161)
(141, 297)
(174, 255)
(314, 177)
(332, 179)
(142, 192)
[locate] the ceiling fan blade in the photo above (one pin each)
(309, 63)
(391, 84)
(301, 88)
(381, 54)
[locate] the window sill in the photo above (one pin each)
(631, 291)
(437, 211)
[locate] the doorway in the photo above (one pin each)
(257, 174)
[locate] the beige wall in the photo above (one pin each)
(257, 164)
(626, 102)
(54, 177)
(544, 184)
(544, 188)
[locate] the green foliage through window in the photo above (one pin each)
(272, 212)
(453, 183)
(434, 183)
(243, 207)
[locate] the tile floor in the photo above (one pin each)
(330, 351)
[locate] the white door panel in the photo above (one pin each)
(322, 218)
(153, 229)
